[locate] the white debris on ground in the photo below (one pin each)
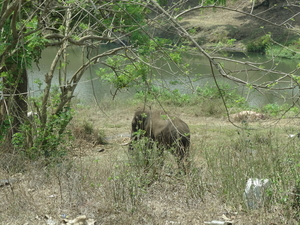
(80, 220)
(249, 116)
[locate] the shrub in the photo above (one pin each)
(34, 140)
(170, 97)
(260, 44)
(230, 95)
(289, 52)
(274, 109)
(86, 131)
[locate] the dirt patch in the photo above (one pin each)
(220, 25)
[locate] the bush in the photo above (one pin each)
(289, 52)
(34, 140)
(169, 97)
(259, 44)
(86, 131)
(230, 95)
(274, 109)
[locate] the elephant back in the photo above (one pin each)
(161, 127)
(166, 131)
(180, 131)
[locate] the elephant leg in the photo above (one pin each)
(153, 154)
(139, 150)
(183, 160)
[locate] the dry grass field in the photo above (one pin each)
(109, 186)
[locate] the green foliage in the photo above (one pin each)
(35, 141)
(259, 44)
(124, 73)
(290, 51)
(176, 57)
(162, 2)
(231, 41)
(38, 82)
(153, 46)
(7, 79)
(29, 49)
(295, 110)
(171, 97)
(4, 127)
(192, 31)
(215, 2)
(231, 97)
(208, 96)
(146, 156)
(129, 16)
(121, 74)
(158, 44)
(275, 109)
(36, 43)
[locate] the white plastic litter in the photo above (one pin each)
(255, 192)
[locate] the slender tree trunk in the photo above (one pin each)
(14, 103)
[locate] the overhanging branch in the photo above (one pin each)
(80, 41)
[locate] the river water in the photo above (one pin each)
(91, 87)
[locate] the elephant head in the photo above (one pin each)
(167, 132)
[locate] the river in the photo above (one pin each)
(91, 87)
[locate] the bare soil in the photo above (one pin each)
(238, 21)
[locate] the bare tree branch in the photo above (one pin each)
(80, 41)
(7, 10)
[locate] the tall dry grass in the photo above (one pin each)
(106, 183)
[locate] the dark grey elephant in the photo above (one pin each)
(167, 132)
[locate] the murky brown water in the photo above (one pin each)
(92, 87)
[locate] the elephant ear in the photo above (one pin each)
(143, 120)
(139, 121)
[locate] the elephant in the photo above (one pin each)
(167, 132)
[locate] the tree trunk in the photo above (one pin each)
(14, 103)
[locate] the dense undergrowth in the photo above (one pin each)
(266, 45)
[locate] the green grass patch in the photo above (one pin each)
(208, 98)
(275, 109)
(289, 52)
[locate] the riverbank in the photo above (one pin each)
(234, 26)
